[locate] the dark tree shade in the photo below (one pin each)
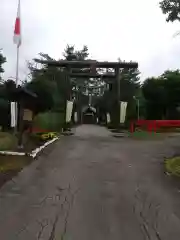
(171, 8)
(71, 54)
(2, 61)
(162, 96)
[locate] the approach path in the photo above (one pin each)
(92, 186)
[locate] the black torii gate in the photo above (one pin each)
(93, 65)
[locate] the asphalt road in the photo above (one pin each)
(92, 186)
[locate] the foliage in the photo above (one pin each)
(48, 136)
(49, 121)
(4, 105)
(2, 61)
(7, 141)
(44, 90)
(5, 114)
(129, 87)
(144, 135)
(172, 166)
(71, 54)
(40, 137)
(52, 82)
(159, 97)
(162, 95)
(172, 9)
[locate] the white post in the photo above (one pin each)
(17, 66)
(17, 78)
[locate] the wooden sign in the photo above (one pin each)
(28, 115)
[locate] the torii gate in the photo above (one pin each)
(93, 65)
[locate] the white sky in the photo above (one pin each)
(132, 30)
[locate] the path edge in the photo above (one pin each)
(33, 153)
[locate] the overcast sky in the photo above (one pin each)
(130, 29)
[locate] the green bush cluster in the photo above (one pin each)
(172, 166)
(7, 141)
(43, 136)
(50, 121)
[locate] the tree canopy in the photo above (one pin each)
(172, 9)
(2, 61)
(158, 97)
(162, 95)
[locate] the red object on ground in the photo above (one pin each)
(38, 130)
(154, 124)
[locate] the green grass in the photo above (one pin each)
(13, 163)
(10, 166)
(172, 166)
(51, 121)
(7, 141)
(144, 135)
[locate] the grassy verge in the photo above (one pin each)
(8, 163)
(10, 166)
(172, 166)
(143, 135)
(7, 141)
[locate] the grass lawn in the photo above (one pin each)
(144, 135)
(11, 165)
(172, 166)
(7, 141)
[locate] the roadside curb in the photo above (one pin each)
(12, 153)
(33, 154)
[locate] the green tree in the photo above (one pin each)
(4, 105)
(2, 61)
(44, 91)
(172, 86)
(60, 87)
(65, 88)
(162, 95)
(155, 95)
(51, 80)
(129, 88)
(171, 8)
(78, 85)
(71, 54)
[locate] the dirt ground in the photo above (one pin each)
(94, 186)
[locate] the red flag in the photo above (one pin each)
(17, 28)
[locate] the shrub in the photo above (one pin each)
(7, 141)
(50, 121)
(48, 136)
(172, 166)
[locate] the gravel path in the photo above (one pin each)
(92, 186)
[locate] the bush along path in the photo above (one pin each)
(172, 166)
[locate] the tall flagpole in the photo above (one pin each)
(17, 77)
(17, 65)
(17, 41)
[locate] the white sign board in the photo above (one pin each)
(69, 108)
(108, 118)
(123, 107)
(75, 117)
(13, 114)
